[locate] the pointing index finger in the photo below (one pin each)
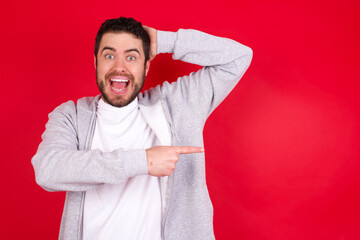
(189, 149)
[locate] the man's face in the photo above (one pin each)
(120, 68)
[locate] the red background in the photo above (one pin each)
(282, 150)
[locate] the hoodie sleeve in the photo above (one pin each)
(61, 165)
(225, 61)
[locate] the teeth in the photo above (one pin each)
(119, 80)
(117, 89)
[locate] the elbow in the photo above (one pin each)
(43, 181)
(41, 176)
(248, 55)
(245, 61)
(242, 63)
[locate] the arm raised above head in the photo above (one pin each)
(225, 61)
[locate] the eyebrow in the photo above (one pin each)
(108, 48)
(126, 51)
(132, 50)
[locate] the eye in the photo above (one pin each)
(109, 56)
(131, 58)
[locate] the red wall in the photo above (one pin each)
(282, 150)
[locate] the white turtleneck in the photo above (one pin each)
(131, 210)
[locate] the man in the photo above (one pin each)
(127, 159)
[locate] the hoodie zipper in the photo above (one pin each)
(89, 139)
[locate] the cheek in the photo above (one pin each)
(137, 70)
(102, 69)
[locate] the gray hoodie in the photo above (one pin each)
(65, 162)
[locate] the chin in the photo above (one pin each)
(118, 102)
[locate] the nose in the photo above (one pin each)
(120, 65)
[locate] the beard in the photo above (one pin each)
(119, 101)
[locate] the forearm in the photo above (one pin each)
(74, 170)
(203, 49)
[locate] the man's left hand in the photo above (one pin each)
(153, 41)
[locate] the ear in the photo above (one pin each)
(147, 67)
(95, 62)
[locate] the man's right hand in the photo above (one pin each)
(162, 160)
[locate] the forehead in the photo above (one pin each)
(120, 41)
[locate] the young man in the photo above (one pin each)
(132, 163)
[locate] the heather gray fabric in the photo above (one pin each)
(64, 161)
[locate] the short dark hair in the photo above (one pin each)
(128, 25)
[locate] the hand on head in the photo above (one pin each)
(153, 41)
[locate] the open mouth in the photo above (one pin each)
(119, 84)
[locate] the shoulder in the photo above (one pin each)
(65, 108)
(88, 103)
(151, 95)
(72, 108)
